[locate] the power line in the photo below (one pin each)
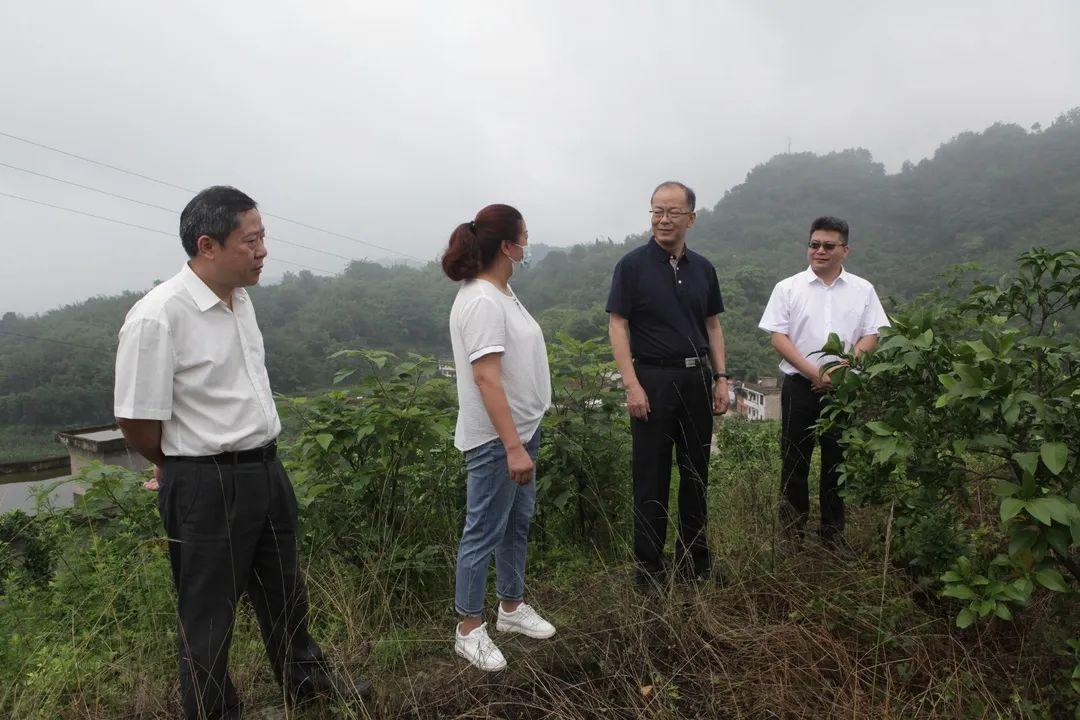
(346, 237)
(98, 190)
(95, 162)
(88, 187)
(155, 230)
(189, 190)
(88, 214)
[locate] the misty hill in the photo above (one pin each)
(983, 197)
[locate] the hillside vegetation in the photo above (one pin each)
(982, 198)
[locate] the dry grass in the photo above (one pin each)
(799, 636)
(808, 638)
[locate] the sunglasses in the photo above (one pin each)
(829, 246)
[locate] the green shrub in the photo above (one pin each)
(583, 483)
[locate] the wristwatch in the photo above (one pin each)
(717, 376)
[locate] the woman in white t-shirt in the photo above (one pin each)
(504, 389)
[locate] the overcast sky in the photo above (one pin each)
(391, 122)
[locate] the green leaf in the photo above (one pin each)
(960, 592)
(992, 440)
(1028, 461)
(884, 449)
(965, 618)
(1010, 410)
(981, 351)
(1004, 488)
(1054, 456)
(1059, 508)
(951, 576)
(1022, 541)
(324, 440)
(1051, 580)
(924, 341)
(1058, 538)
(1010, 506)
(1038, 510)
(833, 345)
(562, 499)
(880, 428)
(342, 375)
(878, 368)
(1002, 611)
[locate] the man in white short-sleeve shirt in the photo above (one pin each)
(193, 397)
(802, 312)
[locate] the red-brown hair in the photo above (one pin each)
(474, 245)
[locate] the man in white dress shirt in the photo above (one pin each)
(193, 397)
(802, 311)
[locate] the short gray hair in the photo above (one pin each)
(691, 198)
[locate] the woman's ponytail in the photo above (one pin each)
(474, 245)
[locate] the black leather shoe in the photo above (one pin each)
(330, 687)
(838, 546)
(650, 584)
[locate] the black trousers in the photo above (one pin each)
(800, 409)
(680, 417)
(232, 532)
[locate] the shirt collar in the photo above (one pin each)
(203, 296)
(811, 278)
(659, 253)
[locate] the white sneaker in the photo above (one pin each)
(477, 648)
(526, 621)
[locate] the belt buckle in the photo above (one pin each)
(691, 362)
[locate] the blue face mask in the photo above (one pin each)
(526, 258)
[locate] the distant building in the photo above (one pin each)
(102, 442)
(447, 369)
(758, 401)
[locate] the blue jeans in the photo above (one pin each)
(497, 518)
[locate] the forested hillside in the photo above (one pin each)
(982, 198)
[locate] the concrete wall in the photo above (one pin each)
(129, 459)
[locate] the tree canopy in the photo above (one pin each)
(983, 198)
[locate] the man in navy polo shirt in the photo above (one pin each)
(664, 325)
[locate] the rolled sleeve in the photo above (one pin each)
(144, 371)
(483, 328)
(777, 317)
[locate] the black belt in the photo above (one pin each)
(690, 362)
(266, 453)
